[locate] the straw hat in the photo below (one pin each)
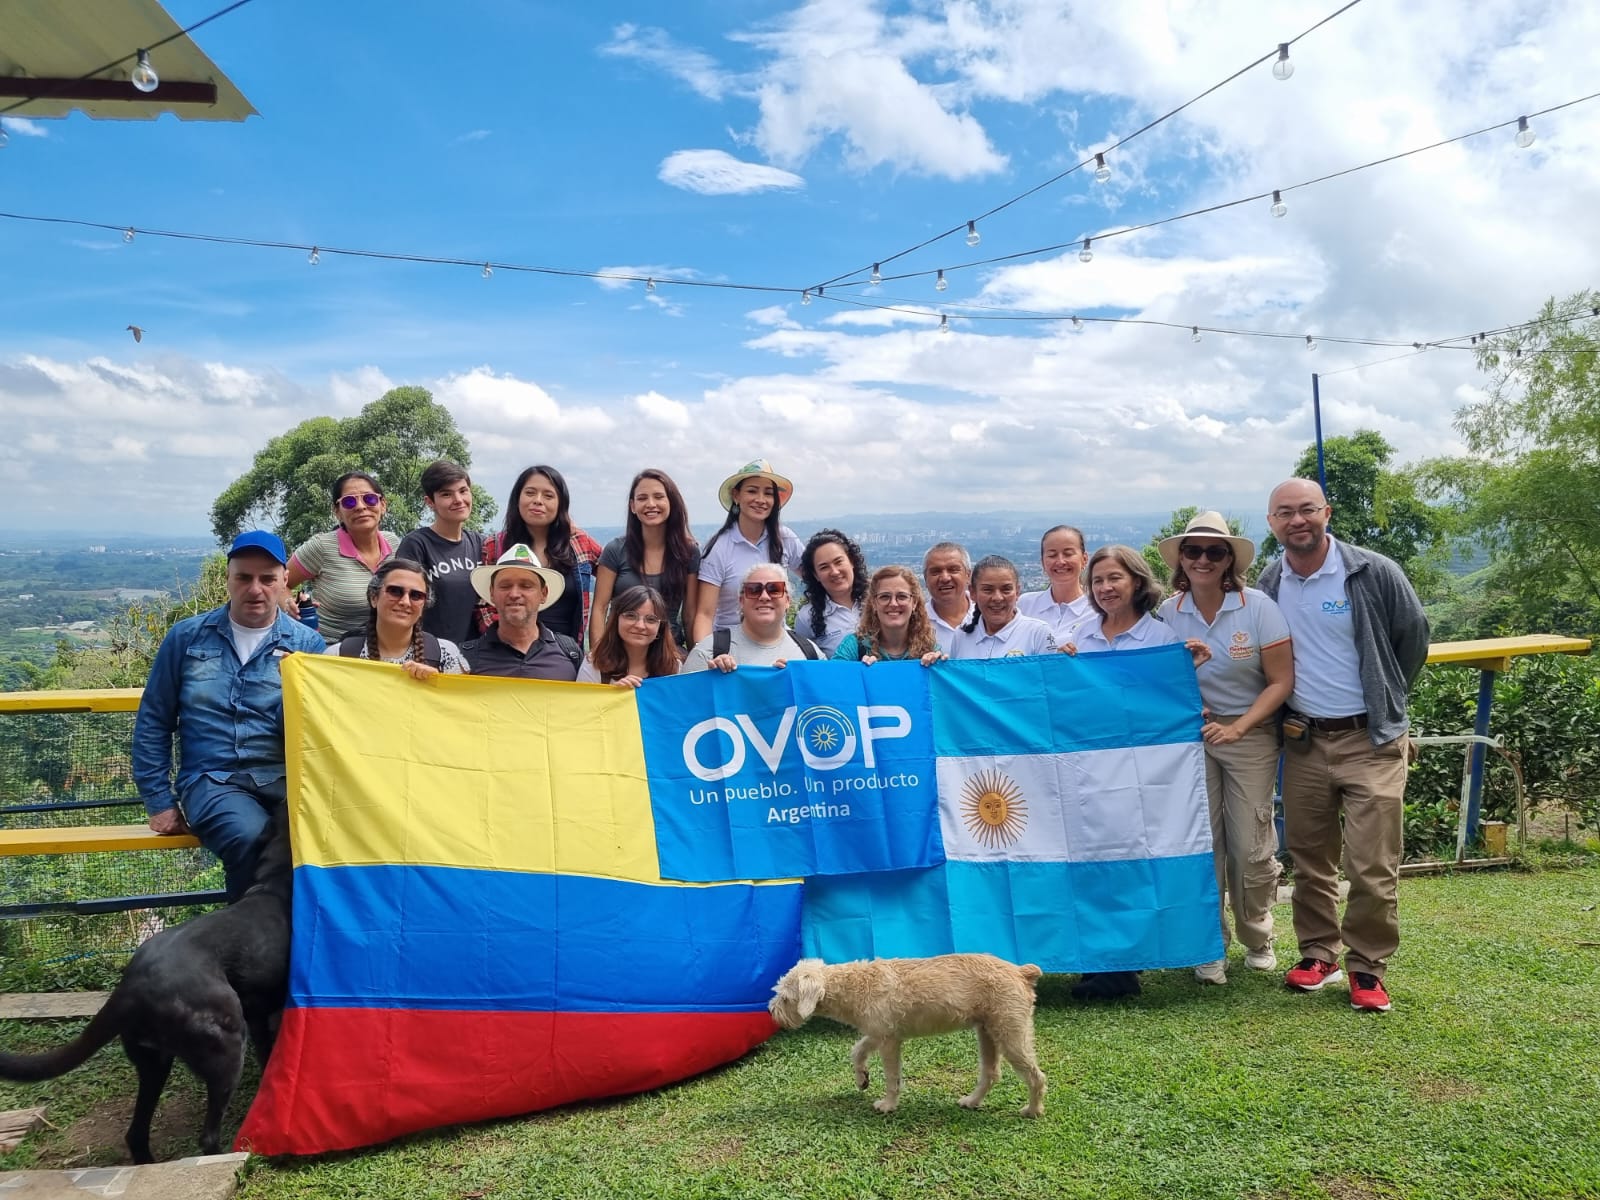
(1209, 524)
(518, 558)
(758, 469)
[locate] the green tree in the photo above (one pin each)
(1527, 488)
(1174, 526)
(394, 437)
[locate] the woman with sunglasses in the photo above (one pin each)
(761, 638)
(895, 626)
(1246, 683)
(397, 596)
(636, 643)
(341, 562)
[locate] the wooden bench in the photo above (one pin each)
(89, 839)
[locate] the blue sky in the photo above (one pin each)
(783, 144)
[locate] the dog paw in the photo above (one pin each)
(1032, 1110)
(885, 1105)
(863, 1080)
(970, 1101)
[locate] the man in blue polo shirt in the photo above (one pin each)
(215, 684)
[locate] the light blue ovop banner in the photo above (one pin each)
(817, 768)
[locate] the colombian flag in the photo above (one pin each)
(480, 923)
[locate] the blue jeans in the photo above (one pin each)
(229, 819)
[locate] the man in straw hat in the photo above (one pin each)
(515, 646)
(1360, 641)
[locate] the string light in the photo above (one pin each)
(127, 235)
(649, 285)
(1101, 172)
(877, 275)
(1077, 324)
(314, 257)
(820, 290)
(940, 284)
(488, 271)
(1283, 68)
(805, 296)
(944, 323)
(1194, 333)
(1311, 342)
(1087, 253)
(1279, 208)
(973, 236)
(1525, 136)
(144, 76)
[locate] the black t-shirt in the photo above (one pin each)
(553, 656)
(566, 614)
(615, 557)
(448, 568)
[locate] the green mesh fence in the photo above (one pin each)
(73, 768)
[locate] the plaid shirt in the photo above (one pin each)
(584, 548)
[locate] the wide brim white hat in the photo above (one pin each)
(518, 558)
(758, 469)
(1209, 524)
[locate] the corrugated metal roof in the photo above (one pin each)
(66, 39)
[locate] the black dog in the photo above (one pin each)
(192, 992)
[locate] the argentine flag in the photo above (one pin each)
(1072, 805)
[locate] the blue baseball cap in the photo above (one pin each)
(260, 539)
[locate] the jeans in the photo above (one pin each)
(229, 818)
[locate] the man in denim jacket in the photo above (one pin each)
(215, 684)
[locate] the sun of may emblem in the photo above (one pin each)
(824, 737)
(993, 808)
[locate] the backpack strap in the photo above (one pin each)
(721, 642)
(431, 654)
(569, 647)
(350, 647)
(807, 646)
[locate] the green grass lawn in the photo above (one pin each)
(1483, 1082)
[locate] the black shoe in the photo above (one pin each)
(1107, 985)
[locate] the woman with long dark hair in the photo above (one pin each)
(341, 562)
(834, 573)
(656, 550)
(539, 516)
(753, 532)
(397, 597)
(635, 644)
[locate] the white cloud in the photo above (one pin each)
(658, 49)
(718, 173)
(23, 127)
(774, 316)
(474, 135)
(616, 279)
(659, 410)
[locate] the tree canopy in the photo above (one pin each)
(395, 438)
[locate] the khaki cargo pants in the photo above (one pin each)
(1239, 781)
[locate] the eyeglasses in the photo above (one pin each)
(640, 618)
(1305, 512)
(771, 588)
(370, 499)
(395, 592)
(1209, 553)
(893, 598)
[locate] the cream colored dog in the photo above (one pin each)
(891, 999)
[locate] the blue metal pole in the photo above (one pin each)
(1480, 726)
(1316, 414)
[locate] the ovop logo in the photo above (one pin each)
(825, 736)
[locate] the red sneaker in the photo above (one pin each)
(1312, 974)
(1367, 993)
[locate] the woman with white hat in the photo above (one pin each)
(753, 532)
(1244, 685)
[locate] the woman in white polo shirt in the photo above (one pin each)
(1247, 681)
(1063, 602)
(753, 532)
(995, 629)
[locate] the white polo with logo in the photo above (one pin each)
(1023, 635)
(1327, 667)
(1089, 638)
(1247, 623)
(1060, 617)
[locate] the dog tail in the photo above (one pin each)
(1030, 974)
(30, 1068)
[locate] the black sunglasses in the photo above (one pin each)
(1210, 553)
(395, 592)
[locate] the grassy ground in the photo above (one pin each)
(1483, 1082)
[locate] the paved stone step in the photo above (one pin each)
(34, 1006)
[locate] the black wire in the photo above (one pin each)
(1054, 179)
(117, 62)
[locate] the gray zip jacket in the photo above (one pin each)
(1391, 633)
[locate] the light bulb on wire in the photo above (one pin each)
(1311, 342)
(649, 285)
(314, 257)
(1279, 208)
(1283, 68)
(127, 235)
(1077, 324)
(143, 76)
(940, 284)
(973, 236)
(1194, 333)
(877, 275)
(488, 271)
(805, 296)
(1525, 136)
(1087, 253)
(944, 323)
(1101, 171)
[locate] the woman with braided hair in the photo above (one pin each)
(397, 596)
